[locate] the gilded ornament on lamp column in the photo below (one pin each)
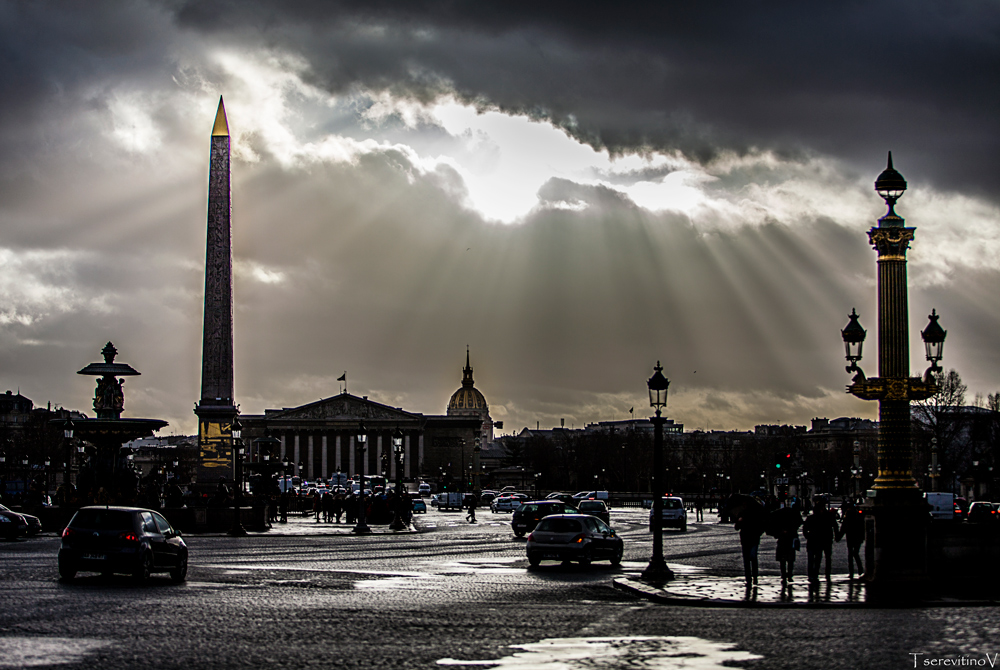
(891, 243)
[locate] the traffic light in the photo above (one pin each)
(788, 460)
(778, 461)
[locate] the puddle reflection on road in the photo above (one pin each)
(30, 652)
(579, 653)
(485, 565)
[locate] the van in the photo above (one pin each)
(424, 489)
(942, 505)
(591, 495)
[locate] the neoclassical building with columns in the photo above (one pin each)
(322, 436)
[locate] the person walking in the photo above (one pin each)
(473, 501)
(338, 506)
(750, 526)
(699, 511)
(820, 530)
(785, 523)
(853, 527)
(283, 506)
(317, 504)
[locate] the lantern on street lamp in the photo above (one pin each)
(854, 340)
(933, 336)
(658, 385)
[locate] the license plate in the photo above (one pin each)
(94, 557)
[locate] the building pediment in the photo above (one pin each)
(344, 407)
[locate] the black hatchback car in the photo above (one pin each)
(527, 516)
(122, 539)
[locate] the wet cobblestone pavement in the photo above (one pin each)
(694, 589)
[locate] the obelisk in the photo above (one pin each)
(216, 409)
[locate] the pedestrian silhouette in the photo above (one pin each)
(820, 530)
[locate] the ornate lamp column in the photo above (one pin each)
(897, 539)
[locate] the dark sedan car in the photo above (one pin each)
(983, 512)
(527, 516)
(12, 524)
(574, 537)
(595, 508)
(122, 539)
(34, 524)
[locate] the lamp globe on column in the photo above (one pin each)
(890, 185)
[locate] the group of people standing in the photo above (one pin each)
(821, 529)
(379, 507)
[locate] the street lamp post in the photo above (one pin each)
(27, 473)
(237, 432)
(898, 536)
(856, 470)
(475, 464)
(935, 467)
(657, 570)
(362, 440)
(68, 436)
(397, 451)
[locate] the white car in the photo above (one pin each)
(507, 502)
(674, 515)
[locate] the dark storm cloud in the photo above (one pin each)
(374, 263)
(849, 79)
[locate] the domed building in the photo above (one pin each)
(469, 402)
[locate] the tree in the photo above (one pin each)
(943, 417)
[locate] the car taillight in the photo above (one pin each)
(128, 537)
(531, 537)
(579, 538)
(68, 531)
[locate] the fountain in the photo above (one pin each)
(110, 475)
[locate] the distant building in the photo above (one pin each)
(35, 434)
(320, 438)
(834, 434)
(467, 401)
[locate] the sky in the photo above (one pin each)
(572, 190)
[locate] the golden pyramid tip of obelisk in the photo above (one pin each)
(221, 125)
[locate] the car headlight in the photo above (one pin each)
(4, 519)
